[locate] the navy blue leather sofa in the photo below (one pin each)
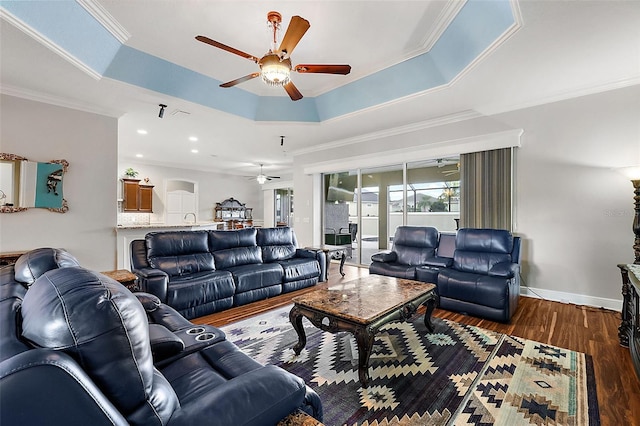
(78, 348)
(202, 272)
(476, 271)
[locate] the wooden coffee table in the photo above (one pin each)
(361, 307)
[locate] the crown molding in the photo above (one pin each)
(105, 19)
(394, 131)
(564, 95)
(33, 95)
(22, 26)
(447, 14)
(445, 148)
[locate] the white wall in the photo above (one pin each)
(212, 188)
(573, 211)
(42, 132)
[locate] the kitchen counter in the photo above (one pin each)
(197, 225)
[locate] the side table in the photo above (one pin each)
(124, 277)
(333, 252)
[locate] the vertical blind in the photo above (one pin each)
(486, 189)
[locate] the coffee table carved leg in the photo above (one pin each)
(296, 320)
(431, 305)
(364, 340)
(342, 259)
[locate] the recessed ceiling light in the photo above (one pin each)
(193, 138)
(139, 155)
(142, 132)
(195, 151)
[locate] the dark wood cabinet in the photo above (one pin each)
(137, 197)
(629, 330)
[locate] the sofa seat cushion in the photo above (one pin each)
(299, 269)
(204, 379)
(199, 288)
(252, 277)
(393, 270)
(474, 288)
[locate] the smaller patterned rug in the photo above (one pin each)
(458, 375)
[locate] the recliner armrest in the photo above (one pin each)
(504, 269)
(164, 343)
(154, 281)
(441, 262)
(384, 256)
(302, 252)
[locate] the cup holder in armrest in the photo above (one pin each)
(205, 337)
(196, 330)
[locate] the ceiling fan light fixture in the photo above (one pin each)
(261, 179)
(273, 71)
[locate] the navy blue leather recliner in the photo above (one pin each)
(78, 348)
(484, 279)
(412, 247)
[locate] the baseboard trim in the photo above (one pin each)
(577, 299)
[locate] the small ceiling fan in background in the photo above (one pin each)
(275, 65)
(446, 162)
(262, 178)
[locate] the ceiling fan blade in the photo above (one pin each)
(293, 91)
(240, 80)
(229, 49)
(297, 27)
(324, 69)
(273, 177)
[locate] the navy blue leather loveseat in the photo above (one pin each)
(202, 272)
(477, 271)
(78, 348)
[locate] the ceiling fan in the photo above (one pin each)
(262, 178)
(275, 65)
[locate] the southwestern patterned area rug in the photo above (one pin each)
(458, 375)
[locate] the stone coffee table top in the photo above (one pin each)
(364, 299)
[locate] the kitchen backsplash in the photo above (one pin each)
(134, 218)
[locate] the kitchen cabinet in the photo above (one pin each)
(137, 197)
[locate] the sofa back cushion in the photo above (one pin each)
(415, 244)
(276, 243)
(103, 326)
(477, 250)
(36, 262)
(234, 248)
(179, 252)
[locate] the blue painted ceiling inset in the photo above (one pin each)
(70, 27)
(67, 24)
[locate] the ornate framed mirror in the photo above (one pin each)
(28, 184)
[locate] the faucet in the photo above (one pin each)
(194, 217)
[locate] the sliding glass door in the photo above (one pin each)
(433, 194)
(363, 207)
(382, 206)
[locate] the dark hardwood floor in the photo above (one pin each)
(580, 328)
